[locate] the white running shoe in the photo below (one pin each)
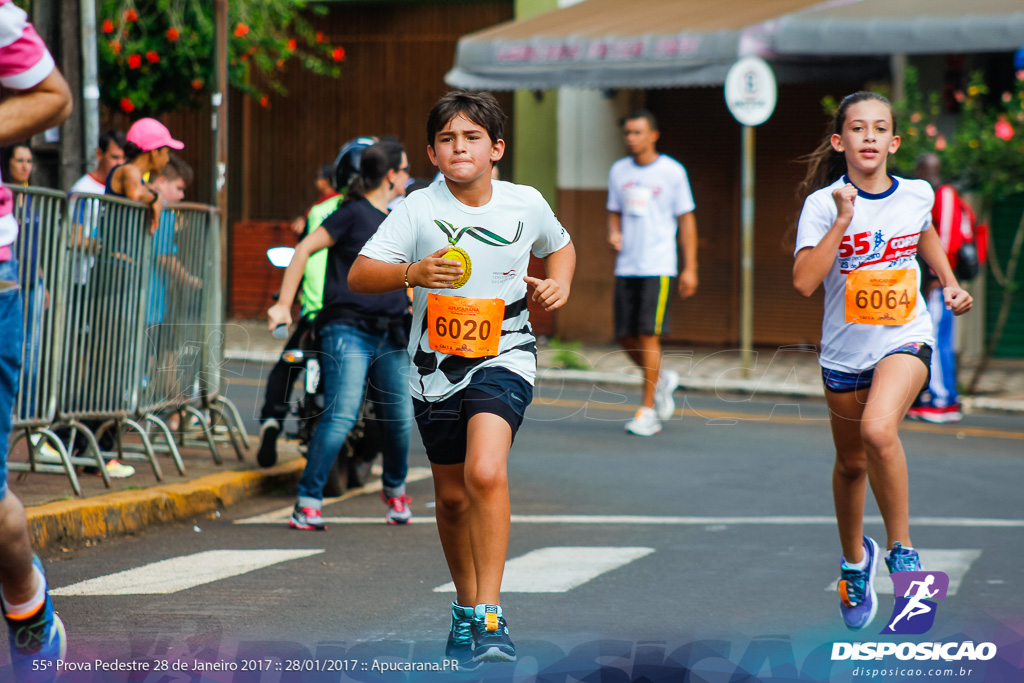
(117, 470)
(644, 423)
(664, 404)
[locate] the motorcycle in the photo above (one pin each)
(364, 444)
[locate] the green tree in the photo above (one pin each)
(157, 55)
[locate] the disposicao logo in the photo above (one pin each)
(914, 612)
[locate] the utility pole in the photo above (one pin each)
(220, 131)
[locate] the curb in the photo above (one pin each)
(127, 512)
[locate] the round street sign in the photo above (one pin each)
(750, 91)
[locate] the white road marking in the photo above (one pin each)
(278, 516)
(559, 569)
(179, 573)
(955, 564)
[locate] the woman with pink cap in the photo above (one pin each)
(146, 151)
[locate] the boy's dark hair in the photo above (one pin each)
(175, 168)
(115, 136)
(326, 173)
(641, 114)
(479, 107)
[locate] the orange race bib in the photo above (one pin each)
(881, 297)
(458, 326)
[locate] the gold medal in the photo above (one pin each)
(456, 254)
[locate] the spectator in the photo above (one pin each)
(40, 100)
(649, 206)
(18, 163)
(147, 149)
(109, 155)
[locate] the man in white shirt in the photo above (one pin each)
(650, 206)
(109, 154)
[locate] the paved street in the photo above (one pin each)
(711, 547)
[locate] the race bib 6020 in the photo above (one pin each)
(465, 327)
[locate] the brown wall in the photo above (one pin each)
(697, 130)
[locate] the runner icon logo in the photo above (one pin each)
(914, 612)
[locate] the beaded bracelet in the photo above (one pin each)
(406, 277)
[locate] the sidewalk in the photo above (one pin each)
(59, 519)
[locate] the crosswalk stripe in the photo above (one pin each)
(560, 569)
(955, 564)
(278, 516)
(179, 573)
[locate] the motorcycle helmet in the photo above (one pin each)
(346, 164)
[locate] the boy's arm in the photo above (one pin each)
(27, 112)
(615, 230)
(688, 244)
(929, 246)
(553, 292)
(370, 276)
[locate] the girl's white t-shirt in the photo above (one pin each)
(499, 238)
(650, 200)
(883, 235)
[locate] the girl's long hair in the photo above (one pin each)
(373, 168)
(825, 165)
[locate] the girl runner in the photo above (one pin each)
(859, 233)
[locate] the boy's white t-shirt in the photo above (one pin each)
(650, 200)
(882, 235)
(516, 214)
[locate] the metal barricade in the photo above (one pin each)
(110, 245)
(42, 256)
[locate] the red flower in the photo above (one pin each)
(241, 29)
(134, 61)
(172, 34)
(319, 37)
(263, 101)
(338, 54)
(131, 15)
(291, 43)
(197, 84)
(115, 46)
(280, 63)
(152, 57)
(1004, 131)
(126, 105)
(108, 26)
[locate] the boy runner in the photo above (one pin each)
(466, 242)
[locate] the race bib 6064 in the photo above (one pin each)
(465, 327)
(881, 297)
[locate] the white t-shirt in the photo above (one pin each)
(499, 238)
(88, 185)
(883, 235)
(650, 199)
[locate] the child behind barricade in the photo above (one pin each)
(146, 152)
(467, 242)
(860, 232)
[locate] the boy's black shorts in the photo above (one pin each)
(443, 423)
(641, 305)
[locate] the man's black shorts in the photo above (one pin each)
(641, 305)
(442, 424)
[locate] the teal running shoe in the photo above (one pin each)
(858, 601)
(901, 559)
(460, 638)
(37, 640)
(491, 642)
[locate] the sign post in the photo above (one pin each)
(750, 94)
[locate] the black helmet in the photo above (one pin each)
(347, 162)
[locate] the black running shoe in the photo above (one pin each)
(491, 642)
(267, 457)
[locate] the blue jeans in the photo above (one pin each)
(348, 358)
(10, 359)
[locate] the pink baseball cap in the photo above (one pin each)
(150, 134)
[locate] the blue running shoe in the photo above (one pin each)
(460, 638)
(859, 603)
(901, 559)
(491, 642)
(37, 640)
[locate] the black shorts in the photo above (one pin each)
(641, 305)
(839, 382)
(443, 423)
